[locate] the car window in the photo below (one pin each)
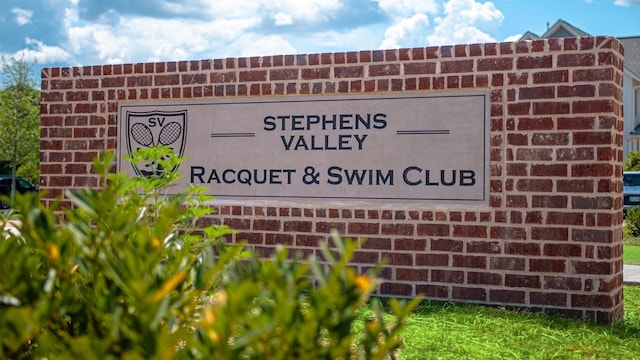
(23, 184)
(631, 179)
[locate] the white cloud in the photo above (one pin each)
(409, 22)
(513, 38)
(99, 40)
(292, 11)
(627, 3)
(230, 29)
(152, 39)
(37, 51)
(365, 37)
(229, 9)
(406, 32)
(282, 19)
(465, 21)
(23, 16)
(407, 8)
(70, 16)
(255, 44)
(308, 10)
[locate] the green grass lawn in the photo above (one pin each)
(631, 248)
(445, 331)
(631, 254)
(630, 240)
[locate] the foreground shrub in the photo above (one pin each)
(273, 310)
(632, 221)
(632, 163)
(127, 274)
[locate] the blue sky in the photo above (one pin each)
(90, 32)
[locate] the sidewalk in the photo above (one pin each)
(631, 274)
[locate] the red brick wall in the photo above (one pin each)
(551, 236)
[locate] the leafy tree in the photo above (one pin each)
(633, 161)
(19, 119)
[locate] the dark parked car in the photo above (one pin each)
(631, 190)
(22, 186)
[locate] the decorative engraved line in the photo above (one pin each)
(232, 135)
(423, 132)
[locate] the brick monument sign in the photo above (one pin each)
(481, 173)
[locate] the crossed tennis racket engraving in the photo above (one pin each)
(169, 134)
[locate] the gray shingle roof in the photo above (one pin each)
(631, 54)
(563, 29)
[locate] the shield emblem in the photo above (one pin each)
(146, 129)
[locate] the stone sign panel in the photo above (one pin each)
(403, 147)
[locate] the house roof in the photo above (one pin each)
(563, 29)
(632, 54)
(560, 29)
(529, 36)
